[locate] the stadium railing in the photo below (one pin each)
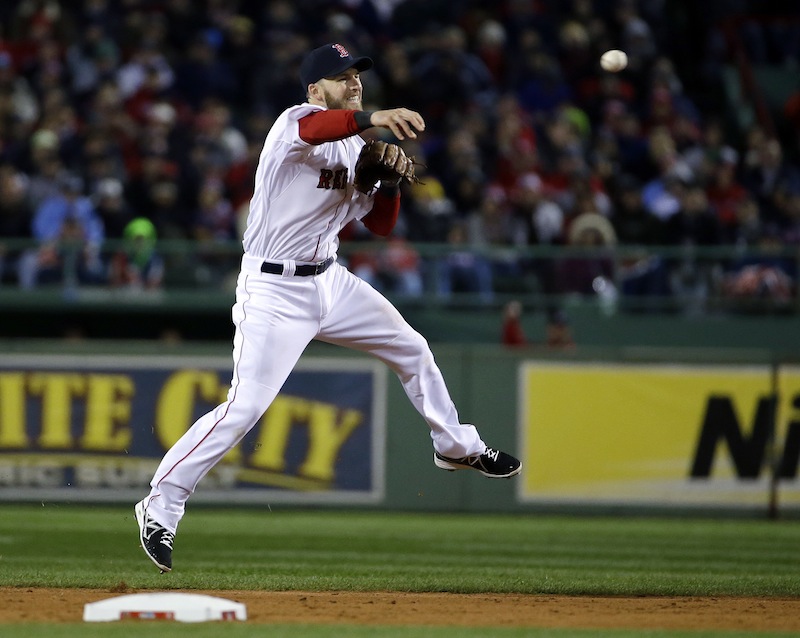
(623, 278)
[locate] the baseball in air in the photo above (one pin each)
(614, 60)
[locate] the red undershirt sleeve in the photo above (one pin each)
(328, 126)
(385, 209)
(331, 125)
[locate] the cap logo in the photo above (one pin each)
(343, 53)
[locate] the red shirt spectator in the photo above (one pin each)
(725, 193)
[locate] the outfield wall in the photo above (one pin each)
(628, 429)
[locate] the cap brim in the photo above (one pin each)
(360, 64)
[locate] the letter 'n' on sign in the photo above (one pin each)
(721, 424)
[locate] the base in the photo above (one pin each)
(164, 606)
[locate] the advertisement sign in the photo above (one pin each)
(659, 434)
(95, 429)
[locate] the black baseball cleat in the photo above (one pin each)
(155, 538)
(492, 463)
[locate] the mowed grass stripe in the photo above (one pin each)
(86, 546)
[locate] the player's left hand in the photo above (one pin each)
(379, 161)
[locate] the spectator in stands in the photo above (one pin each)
(770, 178)
(560, 151)
(399, 84)
(575, 54)
(225, 144)
(693, 278)
(159, 130)
(790, 232)
(43, 165)
(767, 276)
(101, 159)
(709, 151)
(92, 58)
(463, 269)
(399, 268)
(724, 192)
(493, 222)
(453, 76)
(15, 218)
(515, 143)
(111, 207)
(590, 272)
(106, 118)
(494, 225)
(430, 212)
(215, 217)
(156, 193)
(147, 70)
(214, 224)
(627, 131)
(240, 48)
(203, 74)
(632, 223)
(137, 265)
(694, 223)
(542, 87)
(585, 193)
(462, 171)
(748, 228)
(543, 219)
(662, 196)
(20, 109)
(637, 38)
(490, 45)
(642, 274)
(70, 234)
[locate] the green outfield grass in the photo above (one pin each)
(63, 545)
(81, 546)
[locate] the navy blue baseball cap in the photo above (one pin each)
(329, 60)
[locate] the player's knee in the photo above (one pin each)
(417, 351)
(250, 402)
(415, 344)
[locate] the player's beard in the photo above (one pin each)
(341, 103)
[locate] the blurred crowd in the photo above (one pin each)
(142, 120)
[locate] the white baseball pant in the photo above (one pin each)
(275, 317)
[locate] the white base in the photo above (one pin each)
(164, 606)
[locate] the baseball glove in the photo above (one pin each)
(382, 162)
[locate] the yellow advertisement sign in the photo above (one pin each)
(659, 434)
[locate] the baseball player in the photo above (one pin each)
(309, 183)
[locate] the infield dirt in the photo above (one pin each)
(28, 605)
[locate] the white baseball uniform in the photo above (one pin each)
(303, 197)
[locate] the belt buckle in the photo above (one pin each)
(320, 267)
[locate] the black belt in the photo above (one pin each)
(305, 270)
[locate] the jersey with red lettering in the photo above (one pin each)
(304, 193)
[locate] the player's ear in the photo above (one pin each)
(315, 92)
